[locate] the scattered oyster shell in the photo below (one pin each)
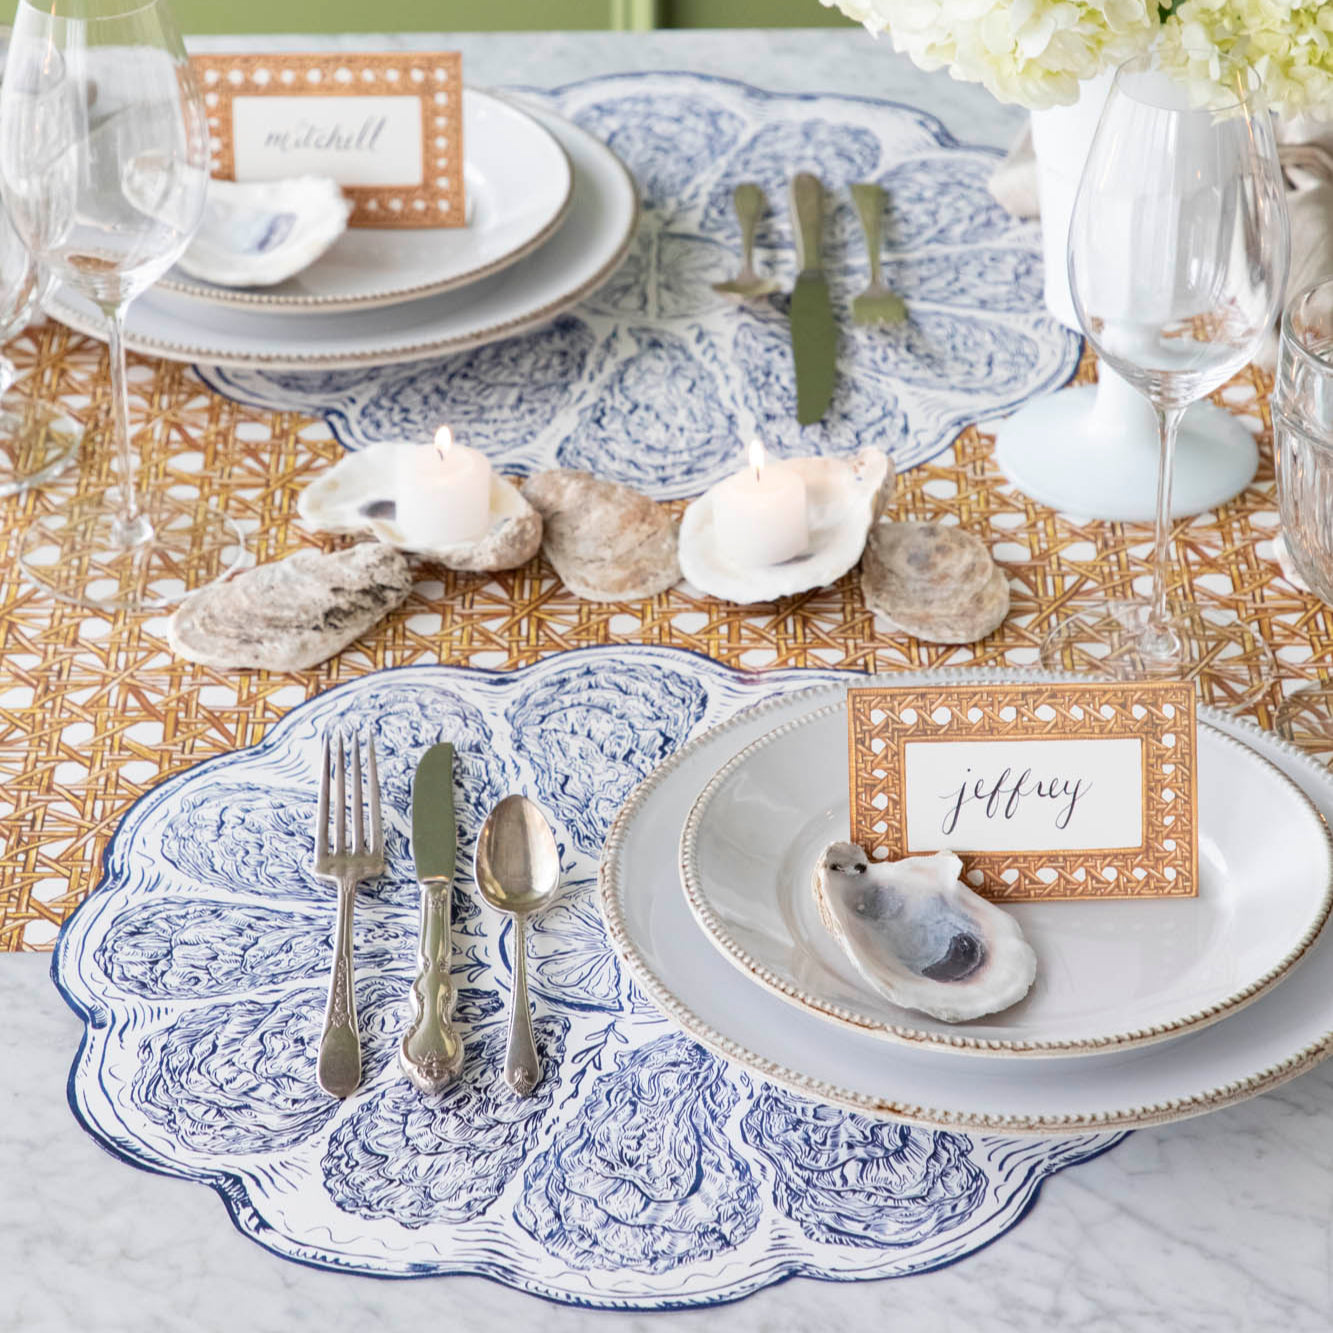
(258, 233)
(934, 582)
(843, 499)
(357, 495)
(293, 613)
(607, 542)
(920, 936)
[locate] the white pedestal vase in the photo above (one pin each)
(1093, 450)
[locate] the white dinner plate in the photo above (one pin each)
(1284, 1033)
(1110, 975)
(518, 185)
(583, 252)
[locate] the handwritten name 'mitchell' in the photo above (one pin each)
(308, 135)
(1003, 796)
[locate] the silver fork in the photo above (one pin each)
(878, 304)
(340, 1046)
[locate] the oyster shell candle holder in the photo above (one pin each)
(440, 501)
(920, 936)
(260, 233)
(783, 526)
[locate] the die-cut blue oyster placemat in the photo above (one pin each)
(656, 380)
(645, 1173)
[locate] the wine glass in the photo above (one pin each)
(104, 168)
(37, 442)
(1178, 257)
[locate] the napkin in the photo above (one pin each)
(1305, 149)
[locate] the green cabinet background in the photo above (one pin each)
(494, 15)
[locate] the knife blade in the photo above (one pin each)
(814, 335)
(431, 1054)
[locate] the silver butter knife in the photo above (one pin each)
(814, 336)
(431, 1053)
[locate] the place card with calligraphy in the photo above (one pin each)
(387, 128)
(1046, 791)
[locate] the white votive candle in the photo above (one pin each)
(443, 493)
(759, 513)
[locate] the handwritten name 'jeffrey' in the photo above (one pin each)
(1003, 796)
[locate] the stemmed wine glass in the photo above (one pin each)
(1178, 257)
(104, 168)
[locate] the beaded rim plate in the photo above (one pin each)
(648, 919)
(584, 251)
(1111, 975)
(519, 187)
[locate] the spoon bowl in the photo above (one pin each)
(517, 862)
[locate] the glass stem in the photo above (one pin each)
(130, 527)
(1159, 638)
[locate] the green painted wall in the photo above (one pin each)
(240, 16)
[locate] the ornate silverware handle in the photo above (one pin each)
(340, 1048)
(807, 200)
(431, 1053)
(748, 200)
(522, 1069)
(869, 201)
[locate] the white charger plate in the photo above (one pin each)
(583, 252)
(518, 184)
(1265, 1044)
(1110, 974)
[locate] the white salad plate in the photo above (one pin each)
(518, 184)
(1260, 1046)
(583, 252)
(1111, 974)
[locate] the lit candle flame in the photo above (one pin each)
(444, 440)
(757, 459)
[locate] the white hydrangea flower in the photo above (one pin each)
(1288, 43)
(1033, 52)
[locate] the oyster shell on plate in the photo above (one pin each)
(843, 498)
(920, 936)
(259, 233)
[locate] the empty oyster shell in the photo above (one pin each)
(258, 233)
(920, 936)
(843, 498)
(934, 582)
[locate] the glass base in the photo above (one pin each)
(1231, 666)
(71, 553)
(1305, 718)
(37, 443)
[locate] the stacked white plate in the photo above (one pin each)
(1143, 1011)
(551, 213)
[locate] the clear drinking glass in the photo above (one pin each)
(104, 166)
(37, 442)
(1178, 256)
(1303, 453)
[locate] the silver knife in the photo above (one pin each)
(814, 336)
(431, 1053)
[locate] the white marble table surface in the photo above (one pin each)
(1218, 1223)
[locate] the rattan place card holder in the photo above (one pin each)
(387, 128)
(1046, 791)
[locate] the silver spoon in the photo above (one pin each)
(749, 202)
(517, 869)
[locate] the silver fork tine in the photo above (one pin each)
(322, 818)
(340, 791)
(376, 828)
(358, 831)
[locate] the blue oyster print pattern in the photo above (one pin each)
(849, 1180)
(591, 735)
(655, 380)
(644, 1176)
(191, 947)
(446, 1158)
(240, 1077)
